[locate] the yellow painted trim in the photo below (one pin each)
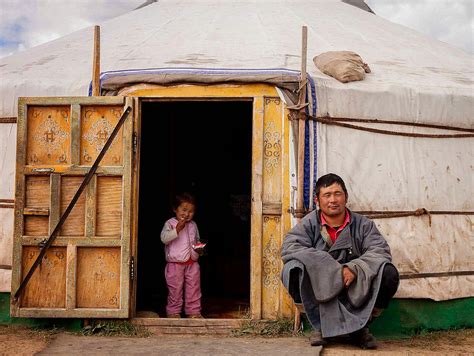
(256, 228)
(286, 302)
(272, 195)
(221, 91)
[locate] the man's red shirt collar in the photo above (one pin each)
(333, 233)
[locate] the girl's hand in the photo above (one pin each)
(180, 225)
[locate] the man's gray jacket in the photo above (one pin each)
(318, 282)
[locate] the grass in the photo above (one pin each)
(46, 334)
(445, 336)
(268, 328)
(121, 328)
(451, 342)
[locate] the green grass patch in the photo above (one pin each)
(268, 328)
(121, 328)
(452, 334)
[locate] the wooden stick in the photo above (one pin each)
(301, 123)
(297, 324)
(96, 63)
(304, 54)
(301, 141)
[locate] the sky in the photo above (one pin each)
(28, 23)
(450, 21)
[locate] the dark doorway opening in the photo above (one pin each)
(205, 148)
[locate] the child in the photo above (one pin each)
(182, 271)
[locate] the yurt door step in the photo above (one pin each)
(163, 326)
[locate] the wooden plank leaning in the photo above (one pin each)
(96, 63)
(301, 139)
(74, 200)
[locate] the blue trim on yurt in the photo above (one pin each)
(315, 134)
(315, 167)
(307, 165)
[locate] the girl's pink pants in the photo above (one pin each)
(181, 277)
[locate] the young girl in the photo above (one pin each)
(182, 271)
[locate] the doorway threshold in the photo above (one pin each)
(167, 326)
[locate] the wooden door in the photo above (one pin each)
(86, 272)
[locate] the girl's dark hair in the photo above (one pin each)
(328, 180)
(183, 198)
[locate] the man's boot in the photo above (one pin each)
(316, 339)
(364, 339)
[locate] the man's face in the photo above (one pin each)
(332, 200)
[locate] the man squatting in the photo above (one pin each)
(338, 265)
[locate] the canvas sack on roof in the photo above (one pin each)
(345, 66)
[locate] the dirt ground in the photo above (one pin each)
(459, 342)
(15, 340)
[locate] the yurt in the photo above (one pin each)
(223, 99)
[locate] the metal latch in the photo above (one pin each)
(135, 142)
(132, 268)
(43, 170)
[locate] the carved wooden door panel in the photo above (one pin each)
(85, 273)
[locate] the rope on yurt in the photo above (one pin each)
(8, 120)
(338, 122)
(397, 213)
(435, 274)
(417, 212)
(394, 122)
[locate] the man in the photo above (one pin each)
(338, 265)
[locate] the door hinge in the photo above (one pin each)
(135, 142)
(132, 268)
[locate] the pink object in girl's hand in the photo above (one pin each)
(199, 245)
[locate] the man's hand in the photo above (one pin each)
(347, 276)
(180, 225)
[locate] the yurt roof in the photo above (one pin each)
(414, 78)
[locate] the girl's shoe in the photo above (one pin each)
(175, 316)
(195, 316)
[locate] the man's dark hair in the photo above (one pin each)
(328, 180)
(183, 198)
